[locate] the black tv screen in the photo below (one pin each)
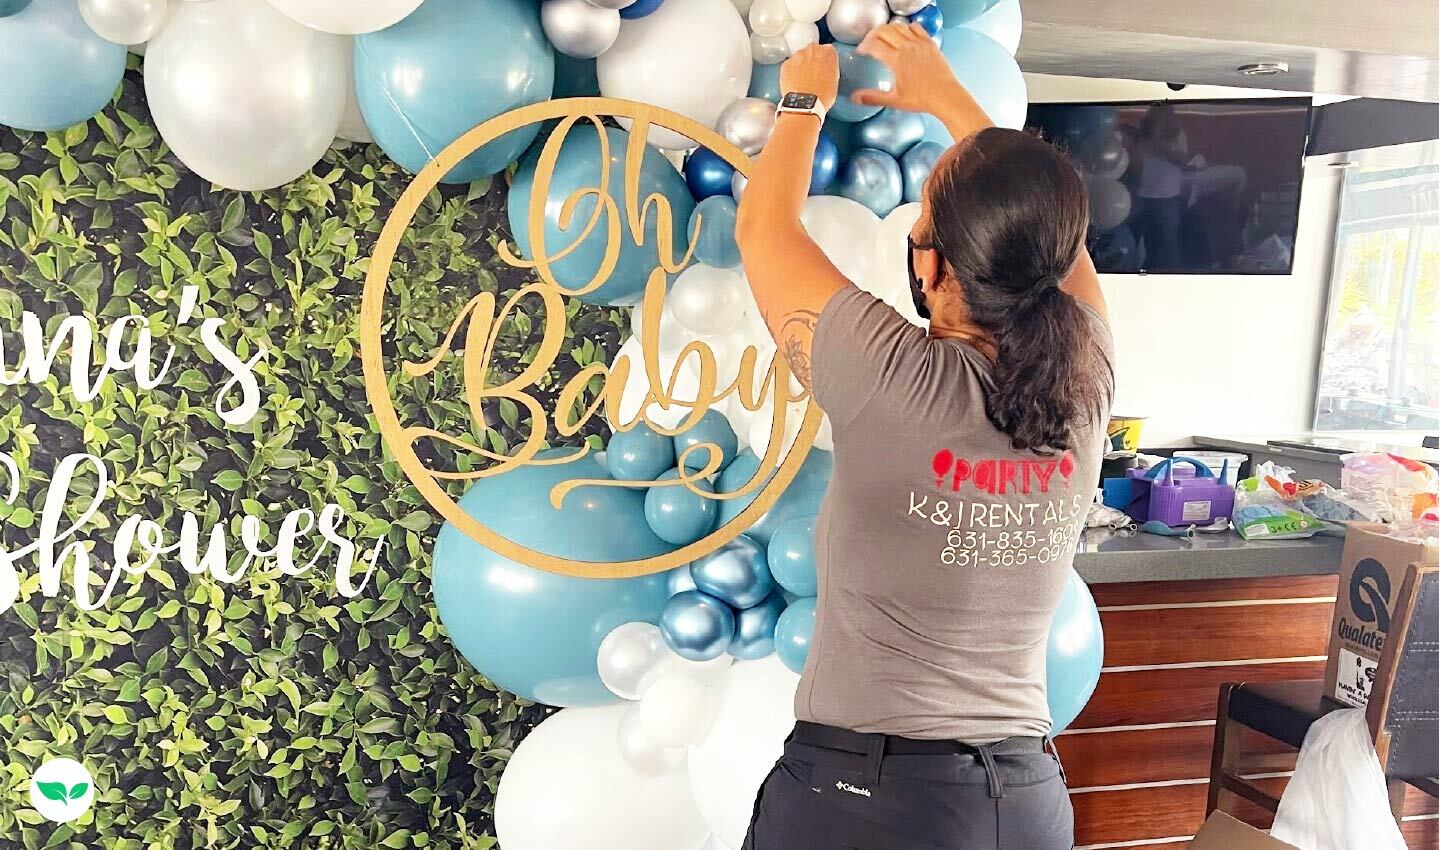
(1186, 186)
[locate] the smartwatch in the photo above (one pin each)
(802, 102)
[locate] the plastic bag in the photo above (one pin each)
(1398, 490)
(1337, 799)
(1268, 506)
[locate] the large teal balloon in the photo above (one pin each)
(802, 498)
(990, 74)
(578, 166)
(449, 65)
(532, 632)
(1073, 653)
(54, 70)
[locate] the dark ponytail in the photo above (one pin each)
(1009, 216)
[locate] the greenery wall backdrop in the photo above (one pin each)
(269, 713)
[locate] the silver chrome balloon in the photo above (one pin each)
(579, 28)
(908, 7)
(747, 123)
(125, 21)
(851, 20)
(617, 5)
(916, 165)
(873, 178)
(893, 131)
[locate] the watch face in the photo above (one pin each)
(798, 100)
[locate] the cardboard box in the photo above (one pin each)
(1372, 568)
(1222, 832)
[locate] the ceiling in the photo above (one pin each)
(1380, 48)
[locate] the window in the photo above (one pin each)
(1380, 365)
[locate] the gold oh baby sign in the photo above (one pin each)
(484, 315)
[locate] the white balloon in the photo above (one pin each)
(640, 751)
(767, 50)
(708, 300)
(769, 17)
(568, 786)
(243, 95)
(754, 712)
(889, 279)
(676, 710)
(682, 376)
(352, 122)
(743, 6)
(628, 655)
(125, 21)
(671, 335)
(764, 421)
(689, 56)
(845, 231)
(800, 35)
(807, 10)
(347, 17)
(611, 4)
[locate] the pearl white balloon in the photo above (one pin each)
(579, 28)
(769, 17)
(347, 17)
(890, 280)
(747, 124)
(845, 231)
(908, 7)
(567, 785)
(243, 95)
(352, 121)
(755, 711)
(768, 49)
(689, 56)
(708, 300)
(850, 21)
(807, 10)
(672, 336)
(800, 35)
(677, 710)
(640, 751)
(683, 377)
(628, 655)
(617, 5)
(125, 21)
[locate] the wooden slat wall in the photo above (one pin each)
(1168, 647)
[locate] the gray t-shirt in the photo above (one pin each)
(942, 551)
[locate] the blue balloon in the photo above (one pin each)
(713, 428)
(791, 556)
(931, 18)
(736, 573)
(639, 9)
(826, 164)
(1073, 654)
(54, 70)
(706, 174)
(765, 82)
(10, 7)
(715, 242)
(873, 178)
(801, 498)
(916, 166)
(575, 77)
(857, 72)
(419, 86)
(989, 73)
(697, 626)
(532, 632)
(893, 131)
(794, 632)
(679, 580)
(640, 454)
(755, 629)
(1003, 23)
(677, 515)
(577, 167)
(958, 12)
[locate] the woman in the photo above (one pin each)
(965, 460)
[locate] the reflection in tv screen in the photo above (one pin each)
(1187, 187)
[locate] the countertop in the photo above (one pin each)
(1105, 557)
(1252, 444)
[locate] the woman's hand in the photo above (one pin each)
(814, 70)
(923, 79)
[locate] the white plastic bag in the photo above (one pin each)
(1337, 799)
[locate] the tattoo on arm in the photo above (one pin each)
(794, 338)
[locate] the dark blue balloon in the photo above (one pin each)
(697, 626)
(712, 229)
(765, 82)
(677, 514)
(825, 165)
(707, 174)
(736, 573)
(931, 18)
(801, 498)
(713, 428)
(640, 8)
(639, 454)
(755, 628)
(793, 633)
(791, 556)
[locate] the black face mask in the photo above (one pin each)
(917, 295)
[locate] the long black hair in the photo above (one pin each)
(1008, 215)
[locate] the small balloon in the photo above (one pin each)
(793, 633)
(873, 178)
(713, 429)
(125, 21)
(769, 18)
(930, 18)
(639, 9)
(736, 573)
(676, 711)
(768, 49)
(747, 123)
(908, 7)
(639, 454)
(712, 232)
(628, 657)
(858, 72)
(893, 131)
(850, 21)
(641, 751)
(677, 514)
(825, 166)
(579, 28)
(755, 629)
(800, 35)
(765, 81)
(707, 174)
(809, 11)
(791, 556)
(916, 167)
(707, 300)
(617, 5)
(697, 626)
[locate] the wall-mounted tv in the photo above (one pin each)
(1187, 186)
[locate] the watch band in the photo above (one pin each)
(803, 103)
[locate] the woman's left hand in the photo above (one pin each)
(814, 70)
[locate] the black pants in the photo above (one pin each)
(839, 790)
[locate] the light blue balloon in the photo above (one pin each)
(54, 70)
(893, 131)
(765, 82)
(715, 243)
(755, 629)
(1073, 654)
(801, 498)
(640, 454)
(793, 633)
(873, 178)
(791, 556)
(677, 515)
(1002, 23)
(990, 74)
(449, 65)
(957, 12)
(532, 632)
(916, 167)
(713, 428)
(736, 573)
(857, 72)
(679, 580)
(577, 167)
(697, 626)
